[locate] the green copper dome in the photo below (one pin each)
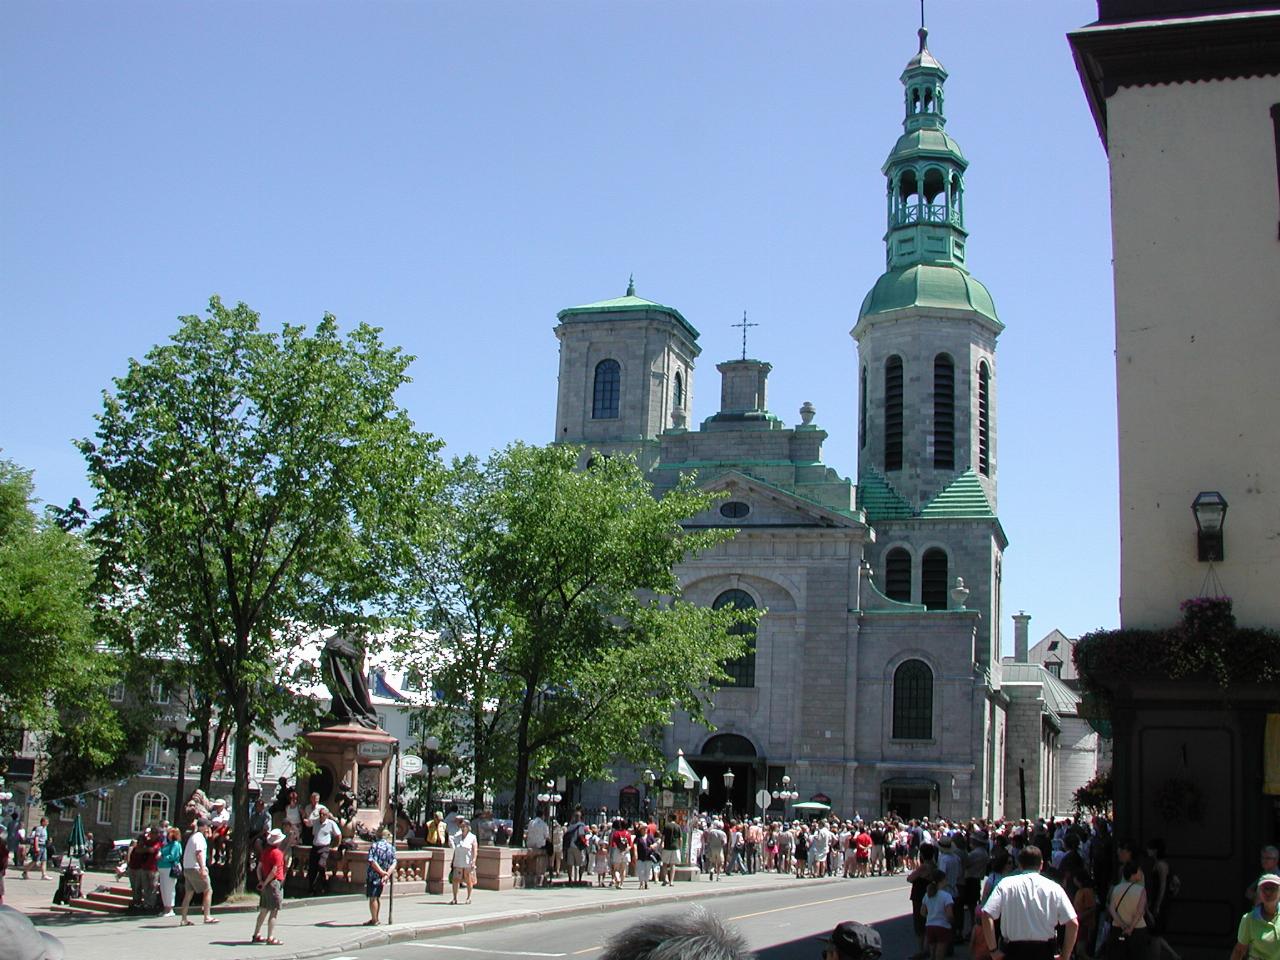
(932, 286)
(629, 304)
(925, 142)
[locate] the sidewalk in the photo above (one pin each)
(331, 926)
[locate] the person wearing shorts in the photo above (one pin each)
(195, 871)
(671, 837)
(938, 908)
(270, 886)
(382, 864)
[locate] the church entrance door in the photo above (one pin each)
(724, 753)
(909, 799)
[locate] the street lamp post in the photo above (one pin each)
(649, 778)
(728, 794)
(550, 797)
(785, 794)
(178, 740)
(436, 767)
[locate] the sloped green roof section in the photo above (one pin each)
(963, 498)
(925, 142)
(929, 285)
(1058, 697)
(627, 304)
(879, 500)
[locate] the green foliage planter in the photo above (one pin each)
(1206, 645)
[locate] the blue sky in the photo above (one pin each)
(456, 172)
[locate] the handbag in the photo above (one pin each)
(175, 871)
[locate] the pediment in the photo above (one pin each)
(771, 505)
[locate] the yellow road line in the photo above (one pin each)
(815, 903)
(578, 953)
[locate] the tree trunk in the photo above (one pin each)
(522, 767)
(240, 798)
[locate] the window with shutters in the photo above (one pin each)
(897, 575)
(893, 414)
(933, 579)
(984, 419)
(944, 413)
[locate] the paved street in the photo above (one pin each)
(779, 925)
(780, 915)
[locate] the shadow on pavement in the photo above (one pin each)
(897, 938)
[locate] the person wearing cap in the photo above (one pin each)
(270, 886)
(195, 872)
(325, 836)
(851, 940)
(1030, 907)
(381, 865)
(1270, 860)
(1258, 935)
(20, 940)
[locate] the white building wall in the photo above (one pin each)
(1197, 287)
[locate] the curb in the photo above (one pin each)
(450, 928)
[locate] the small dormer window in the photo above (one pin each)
(734, 509)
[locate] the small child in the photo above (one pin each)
(598, 848)
(938, 909)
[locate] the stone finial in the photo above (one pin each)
(807, 413)
(678, 419)
(959, 594)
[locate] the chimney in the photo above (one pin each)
(1021, 620)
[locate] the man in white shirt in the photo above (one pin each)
(195, 871)
(536, 834)
(1030, 908)
(325, 835)
(464, 859)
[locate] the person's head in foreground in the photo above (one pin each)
(20, 940)
(695, 935)
(851, 941)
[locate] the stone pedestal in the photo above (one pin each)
(337, 752)
(686, 873)
(493, 868)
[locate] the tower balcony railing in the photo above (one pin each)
(925, 213)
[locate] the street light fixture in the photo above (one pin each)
(1210, 511)
(436, 767)
(550, 797)
(649, 778)
(785, 794)
(728, 794)
(180, 741)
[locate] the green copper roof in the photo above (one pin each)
(962, 498)
(929, 285)
(879, 500)
(628, 304)
(925, 142)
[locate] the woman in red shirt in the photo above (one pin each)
(270, 887)
(620, 846)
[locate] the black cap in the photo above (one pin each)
(855, 940)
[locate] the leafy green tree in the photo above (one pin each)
(52, 677)
(248, 484)
(569, 580)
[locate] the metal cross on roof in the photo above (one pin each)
(744, 325)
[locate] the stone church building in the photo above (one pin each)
(875, 679)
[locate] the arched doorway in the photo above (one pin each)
(911, 798)
(729, 752)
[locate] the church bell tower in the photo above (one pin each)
(926, 341)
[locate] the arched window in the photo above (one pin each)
(862, 408)
(893, 413)
(679, 391)
(897, 575)
(913, 701)
(933, 579)
(944, 413)
(984, 419)
(741, 670)
(149, 808)
(608, 387)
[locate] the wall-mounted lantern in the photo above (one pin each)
(1210, 510)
